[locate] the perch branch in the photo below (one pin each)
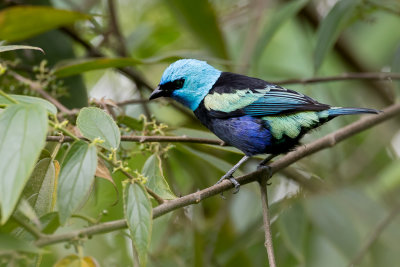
(266, 222)
(195, 198)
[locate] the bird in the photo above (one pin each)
(253, 115)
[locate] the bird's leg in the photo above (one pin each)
(229, 176)
(263, 165)
(266, 160)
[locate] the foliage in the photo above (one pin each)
(333, 208)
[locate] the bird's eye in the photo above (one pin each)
(178, 84)
(174, 85)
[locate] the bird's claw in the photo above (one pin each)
(232, 180)
(235, 184)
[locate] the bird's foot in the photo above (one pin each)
(235, 183)
(268, 169)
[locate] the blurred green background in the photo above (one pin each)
(350, 189)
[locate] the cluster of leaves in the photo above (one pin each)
(48, 188)
(31, 174)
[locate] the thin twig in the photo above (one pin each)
(115, 29)
(132, 102)
(35, 86)
(374, 236)
(345, 76)
(266, 222)
(145, 139)
(28, 227)
(194, 198)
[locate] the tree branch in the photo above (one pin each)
(145, 139)
(37, 87)
(266, 222)
(345, 76)
(28, 227)
(194, 198)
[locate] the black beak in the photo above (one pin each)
(157, 93)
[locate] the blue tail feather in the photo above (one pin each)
(349, 111)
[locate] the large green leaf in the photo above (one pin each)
(95, 123)
(292, 223)
(21, 22)
(41, 187)
(74, 67)
(29, 100)
(10, 244)
(331, 216)
(76, 177)
(23, 131)
(138, 214)
(5, 48)
(333, 24)
(199, 16)
(282, 15)
(152, 169)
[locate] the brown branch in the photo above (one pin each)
(345, 76)
(132, 102)
(194, 198)
(37, 87)
(145, 139)
(115, 29)
(266, 222)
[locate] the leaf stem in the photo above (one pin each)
(30, 228)
(8, 97)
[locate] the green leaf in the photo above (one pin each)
(5, 48)
(138, 214)
(130, 122)
(74, 67)
(330, 215)
(95, 123)
(76, 177)
(292, 224)
(21, 22)
(9, 243)
(29, 100)
(41, 187)
(200, 18)
(333, 24)
(23, 131)
(152, 169)
(282, 15)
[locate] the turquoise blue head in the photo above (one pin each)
(187, 81)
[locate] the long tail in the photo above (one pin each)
(336, 111)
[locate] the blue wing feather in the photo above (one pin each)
(251, 96)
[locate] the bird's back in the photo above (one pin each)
(258, 117)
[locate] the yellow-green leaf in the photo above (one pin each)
(21, 22)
